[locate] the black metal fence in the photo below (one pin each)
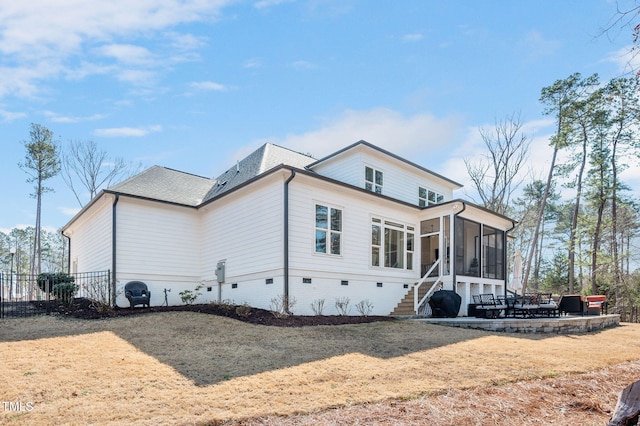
(22, 295)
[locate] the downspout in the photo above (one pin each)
(286, 241)
(455, 236)
(113, 250)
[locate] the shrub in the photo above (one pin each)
(188, 296)
(62, 286)
(364, 307)
(281, 307)
(317, 306)
(53, 279)
(243, 310)
(342, 305)
(65, 292)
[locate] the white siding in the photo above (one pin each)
(400, 180)
(353, 265)
(245, 229)
(158, 244)
(91, 238)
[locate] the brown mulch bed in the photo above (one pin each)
(84, 309)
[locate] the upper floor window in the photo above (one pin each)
(328, 230)
(373, 180)
(427, 197)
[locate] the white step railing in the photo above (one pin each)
(418, 303)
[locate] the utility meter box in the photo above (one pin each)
(220, 272)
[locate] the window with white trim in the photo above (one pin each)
(392, 244)
(427, 197)
(373, 180)
(328, 230)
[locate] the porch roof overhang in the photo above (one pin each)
(471, 211)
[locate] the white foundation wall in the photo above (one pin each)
(380, 296)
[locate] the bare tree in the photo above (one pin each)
(496, 175)
(86, 169)
(42, 162)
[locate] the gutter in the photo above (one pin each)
(113, 249)
(286, 241)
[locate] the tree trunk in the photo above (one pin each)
(596, 247)
(539, 218)
(574, 218)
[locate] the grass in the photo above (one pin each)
(190, 368)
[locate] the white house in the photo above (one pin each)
(361, 223)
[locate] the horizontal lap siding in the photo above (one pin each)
(246, 230)
(156, 238)
(327, 272)
(349, 169)
(91, 242)
(400, 180)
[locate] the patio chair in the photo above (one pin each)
(572, 304)
(137, 293)
(527, 306)
(548, 306)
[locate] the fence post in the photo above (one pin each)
(112, 288)
(48, 287)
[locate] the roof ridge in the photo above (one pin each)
(186, 173)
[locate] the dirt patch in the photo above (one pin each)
(84, 309)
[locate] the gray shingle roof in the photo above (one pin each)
(263, 159)
(161, 183)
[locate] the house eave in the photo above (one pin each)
(455, 184)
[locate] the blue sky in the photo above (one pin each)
(195, 85)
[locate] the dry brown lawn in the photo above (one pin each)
(190, 368)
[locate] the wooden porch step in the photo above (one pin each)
(405, 307)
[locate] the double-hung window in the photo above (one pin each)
(328, 230)
(427, 197)
(373, 180)
(392, 244)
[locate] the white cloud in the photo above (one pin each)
(419, 135)
(208, 86)
(127, 54)
(57, 118)
(536, 46)
(303, 65)
(7, 116)
(252, 63)
(626, 59)
(42, 40)
(127, 131)
(409, 38)
(262, 4)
